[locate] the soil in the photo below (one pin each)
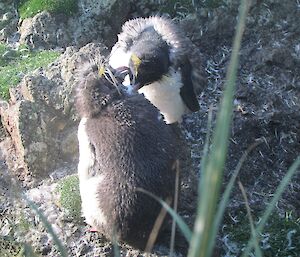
(267, 109)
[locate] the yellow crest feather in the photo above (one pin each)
(136, 63)
(101, 70)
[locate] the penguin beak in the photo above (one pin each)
(122, 72)
(134, 68)
(134, 85)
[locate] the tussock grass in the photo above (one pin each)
(212, 168)
(209, 214)
(270, 207)
(258, 252)
(280, 235)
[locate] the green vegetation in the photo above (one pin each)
(14, 64)
(56, 241)
(206, 225)
(279, 238)
(210, 213)
(29, 8)
(70, 200)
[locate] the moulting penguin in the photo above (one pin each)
(164, 63)
(124, 145)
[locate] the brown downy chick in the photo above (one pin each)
(124, 145)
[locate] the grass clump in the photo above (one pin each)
(209, 213)
(29, 8)
(14, 64)
(70, 200)
(281, 235)
(213, 163)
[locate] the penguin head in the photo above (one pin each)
(149, 59)
(96, 88)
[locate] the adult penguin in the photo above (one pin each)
(164, 63)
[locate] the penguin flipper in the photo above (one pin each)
(187, 90)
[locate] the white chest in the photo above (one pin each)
(165, 96)
(86, 156)
(89, 185)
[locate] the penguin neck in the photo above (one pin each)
(164, 94)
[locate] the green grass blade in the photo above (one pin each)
(180, 222)
(258, 252)
(228, 190)
(280, 189)
(207, 140)
(57, 242)
(27, 251)
(213, 172)
(175, 206)
(116, 248)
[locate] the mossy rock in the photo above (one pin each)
(15, 63)
(70, 200)
(29, 8)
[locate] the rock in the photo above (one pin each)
(40, 119)
(98, 20)
(69, 145)
(44, 31)
(34, 129)
(8, 20)
(94, 20)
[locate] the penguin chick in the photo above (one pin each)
(164, 64)
(123, 146)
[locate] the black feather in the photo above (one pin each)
(187, 90)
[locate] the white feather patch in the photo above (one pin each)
(119, 58)
(165, 96)
(86, 156)
(89, 185)
(89, 191)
